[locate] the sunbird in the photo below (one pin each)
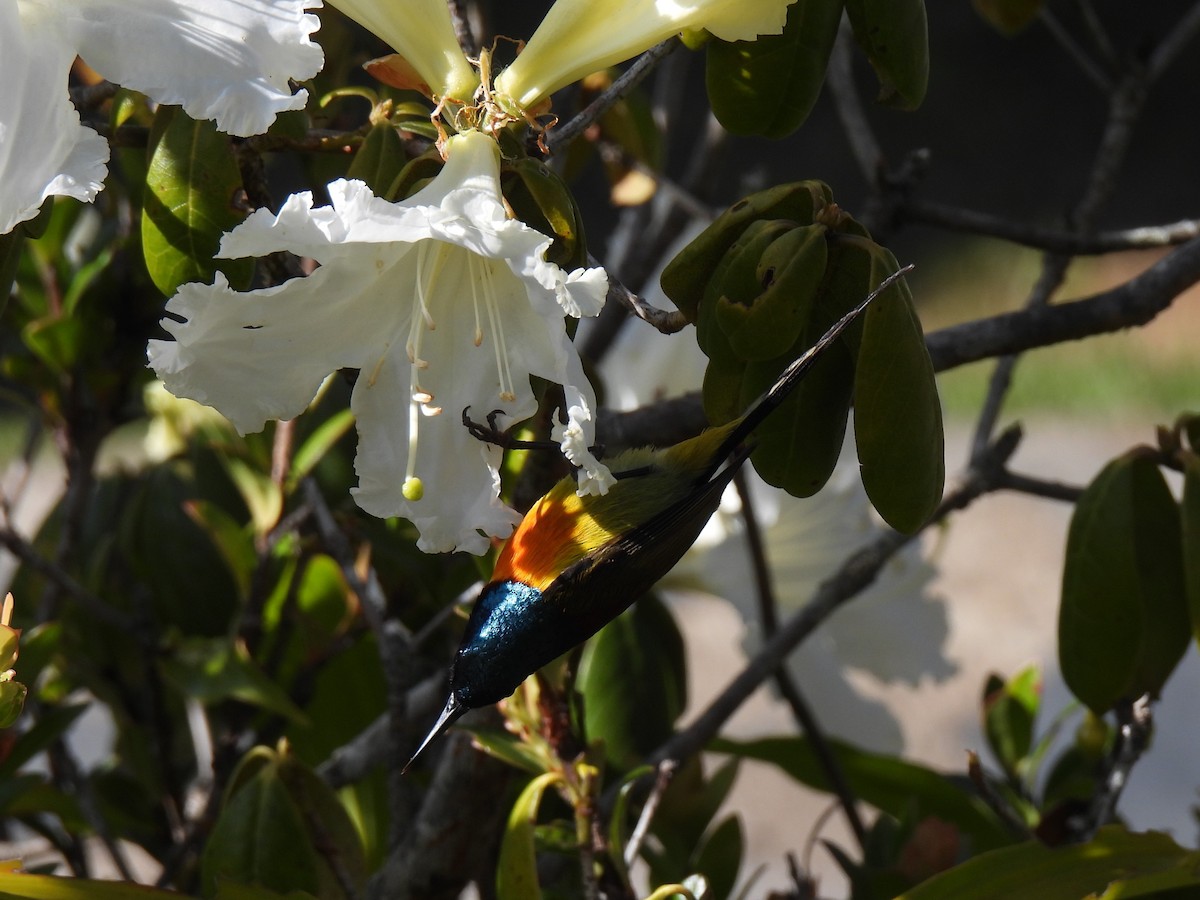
(574, 563)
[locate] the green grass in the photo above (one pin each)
(1144, 373)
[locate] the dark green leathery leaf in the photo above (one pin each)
(768, 86)
(379, 159)
(687, 276)
(897, 412)
(764, 318)
(895, 36)
(1123, 623)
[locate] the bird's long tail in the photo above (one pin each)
(796, 370)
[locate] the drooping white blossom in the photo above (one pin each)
(228, 60)
(441, 301)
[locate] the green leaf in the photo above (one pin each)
(278, 828)
(1033, 871)
(768, 86)
(686, 277)
(317, 444)
(214, 669)
(186, 575)
(192, 186)
(633, 678)
(12, 701)
(684, 814)
(895, 37)
(49, 887)
(897, 412)
(380, 158)
(617, 826)
(720, 859)
(542, 200)
(887, 783)
(1191, 537)
(516, 871)
(1123, 623)
(508, 748)
(57, 342)
(1009, 713)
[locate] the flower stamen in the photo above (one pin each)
(490, 304)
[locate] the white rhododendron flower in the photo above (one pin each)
(895, 632)
(441, 301)
(579, 37)
(228, 60)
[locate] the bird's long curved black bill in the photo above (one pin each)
(452, 712)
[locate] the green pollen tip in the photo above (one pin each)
(413, 489)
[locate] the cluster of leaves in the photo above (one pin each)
(763, 282)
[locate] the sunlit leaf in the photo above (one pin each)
(1033, 871)
(516, 871)
(190, 200)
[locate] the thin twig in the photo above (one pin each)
(1080, 56)
(1125, 105)
(1039, 487)
(803, 713)
(666, 321)
(662, 779)
(1003, 810)
(558, 138)
(1177, 38)
(88, 602)
(1097, 32)
(1134, 726)
(1052, 239)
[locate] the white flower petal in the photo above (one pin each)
(421, 32)
(578, 435)
(262, 354)
(228, 60)
(442, 307)
(579, 37)
(44, 150)
(581, 294)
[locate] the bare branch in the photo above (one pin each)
(666, 321)
(805, 717)
(1051, 239)
(1172, 45)
(1135, 302)
(557, 139)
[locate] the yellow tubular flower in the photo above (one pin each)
(422, 33)
(579, 37)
